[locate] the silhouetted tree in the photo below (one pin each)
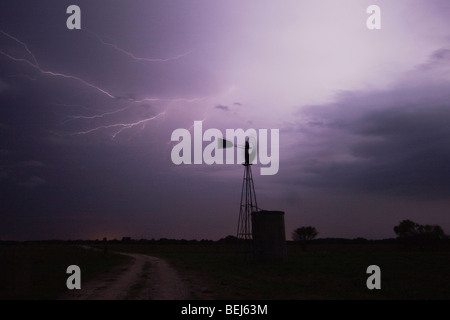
(410, 232)
(304, 235)
(406, 228)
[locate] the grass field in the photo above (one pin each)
(322, 272)
(38, 271)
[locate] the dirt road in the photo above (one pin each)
(145, 278)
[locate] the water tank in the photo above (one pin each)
(269, 238)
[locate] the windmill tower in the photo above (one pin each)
(248, 205)
(260, 233)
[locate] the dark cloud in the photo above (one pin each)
(398, 153)
(72, 160)
(441, 54)
(392, 142)
(439, 57)
(222, 107)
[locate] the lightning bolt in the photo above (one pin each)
(30, 59)
(96, 116)
(120, 127)
(21, 43)
(136, 58)
(36, 66)
(57, 74)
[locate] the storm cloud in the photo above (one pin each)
(86, 116)
(393, 141)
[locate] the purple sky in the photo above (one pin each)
(86, 116)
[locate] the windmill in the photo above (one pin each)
(248, 203)
(260, 233)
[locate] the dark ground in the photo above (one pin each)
(212, 270)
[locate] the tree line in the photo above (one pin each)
(407, 231)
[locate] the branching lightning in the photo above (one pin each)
(136, 58)
(96, 116)
(21, 43)
(35, 64)
(31, 60)
(57, 74)
(121, 126)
